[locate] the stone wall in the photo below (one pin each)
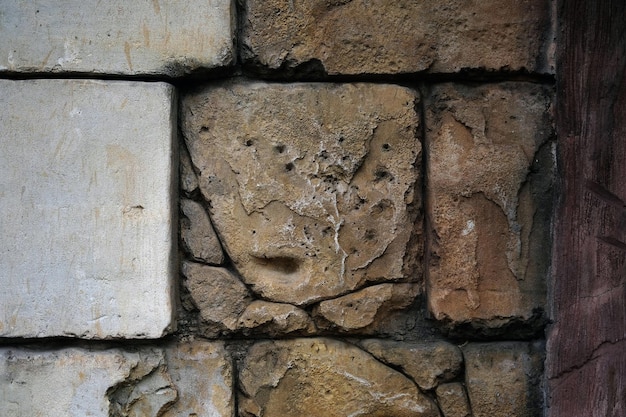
(275, 208)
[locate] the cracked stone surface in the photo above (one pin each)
(116, 37)
(490, 174)
(275, 319)
(404, 36)
(311, 187)
(363, 310)
(325, 377)
(426, 363)
(504, 379)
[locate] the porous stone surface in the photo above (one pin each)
(363, 310)
(490, 173)
(77, 382)
(116, 37)
(203, 375)
(426, 363)
(503, 379)
(324, 377)
(219, 295)
(312, 188)
(197, 234)
(452, 400)
(275, 319)
(86, 195)
(379, 37)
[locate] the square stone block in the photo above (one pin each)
(490, 173)
(116, 37)
(86, 194)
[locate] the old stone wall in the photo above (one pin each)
(275, 208)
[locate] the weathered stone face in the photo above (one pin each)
(504, 379)
(452, 400)
(197, 234)
(382, 37)
(490, 171)
(324, 377)
(311, 187)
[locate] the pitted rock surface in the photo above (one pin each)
(311, 187)
(490, 172)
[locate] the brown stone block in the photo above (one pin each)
(312, 188)
(490, 172)
(504, 379)
(405, 36)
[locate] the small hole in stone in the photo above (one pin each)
(341, 139)
(248, 142)
(386, 147)
(289, 167)
(280, 148)
(204, 129)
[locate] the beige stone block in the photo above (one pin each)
(382, 37)
(452, 400)
(197, 234)
(325, 378)
(156, 37)
(490, 173)
(314, 189)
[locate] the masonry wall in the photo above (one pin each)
(275, 208)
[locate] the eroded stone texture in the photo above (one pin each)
(188, 179)
(202, 373)
(219, 295)
(365, 308)
(382, 37)
(426, 363)
(504, 379)
(116, 37)
(452, 400)
(86, 195)
(77, 382)
(324, 377)
(312, 187)
(490, 173)
(275, 319)
(197, 234)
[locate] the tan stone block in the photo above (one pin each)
(313, 188)
(382, 37)
(219, 295)
(325, 378)
(504, 379)
(490, 172)
(426, 363)
(452, 400)
(197, 234)
(362, 311)
(275, 319)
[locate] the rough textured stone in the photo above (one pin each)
(198, 235)
(452, 400)
(365, 308)
(380, 37)
(490, 172)
(275, 319)
(202, 374)
(188, 179)
(86, 195)
(324, 377)
(311, 186)
(219, 295)
(504, 379)
(116, 37)
(77, 382)
(426, 363)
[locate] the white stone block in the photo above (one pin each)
(87, 197)
(116, 36)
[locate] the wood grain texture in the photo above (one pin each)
(586, 364)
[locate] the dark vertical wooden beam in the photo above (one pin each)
(586, 364)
